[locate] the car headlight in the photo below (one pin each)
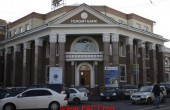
(101, 94)
(143, 96)
(114, 93)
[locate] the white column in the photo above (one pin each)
(52, 58)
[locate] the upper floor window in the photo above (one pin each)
(21, 29)
(15, 31)
(138, 25)
(27, 27)
(145, 28)
(122, 48)
(84, 45)
(123, 75)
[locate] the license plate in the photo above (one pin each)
(107, 97)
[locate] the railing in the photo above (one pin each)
(84, 56)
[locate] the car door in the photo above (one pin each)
(44, 97)
(26, 100)
(72, 95)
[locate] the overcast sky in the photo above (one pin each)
(156, 10)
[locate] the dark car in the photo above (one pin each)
(167, 87)
(60, 88)
(108, 93)
(128, 89)
(3, 93)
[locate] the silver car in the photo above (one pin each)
(146, 95)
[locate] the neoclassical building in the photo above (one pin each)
(83, 40)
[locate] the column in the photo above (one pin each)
(142, 74)
(73, 74)
(61, 41)
(115, 47)
(26, 64)
(7, 66)
(52, 40)
(152, 55)
(129, 60)
(38, 74)
(15, 62)
(106, 42)
(1, 67)
(161, 64)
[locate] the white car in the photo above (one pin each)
(146, 95)
(35, 98)
(76, 96)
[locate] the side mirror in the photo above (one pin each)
(19, 96)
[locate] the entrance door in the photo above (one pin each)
(85, 78)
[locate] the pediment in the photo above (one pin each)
(83, 14)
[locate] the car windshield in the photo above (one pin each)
(129, 87)
(108, 89)
(145, 89)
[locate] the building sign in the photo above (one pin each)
(55, 75)
(111, 76)
(84, 17)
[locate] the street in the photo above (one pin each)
(116, 105)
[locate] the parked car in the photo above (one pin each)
(77, 96)
(108, 93)
(3, 93)
(37, 98)
(82, 89)
(146, 95)
(60, 88)
(128, 89)
(167, 87)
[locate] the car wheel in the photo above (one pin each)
(76, 101)
(54, 106)
(9, 107)
(149, 101)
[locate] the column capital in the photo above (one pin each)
(62, 37)
(38, 42)
(115, 37)
(27, 45)
(106, 37)
(152, 46)
(141, 44)
(53, 37)
(17, 48)
(161, 48)
(129, 40)
(8, 50)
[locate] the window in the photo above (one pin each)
(31, 93)
(15, 31)
(123, 73)
(21, 29)
(84, 45)
(148, 75)
(145, 28)
(72, 91)
(147, 51)
(27, 27)
(138, 25)
(122, 48)
(43, 93)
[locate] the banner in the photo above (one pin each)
(111, 76)
(55, 75)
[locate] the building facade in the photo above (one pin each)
(83, 40)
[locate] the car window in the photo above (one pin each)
(72, 91)
(145, 89)
(43, 93)
(30, 93)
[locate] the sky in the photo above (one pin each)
(156, 10)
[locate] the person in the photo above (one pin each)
(157, 91)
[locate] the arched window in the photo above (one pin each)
(84, 45)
